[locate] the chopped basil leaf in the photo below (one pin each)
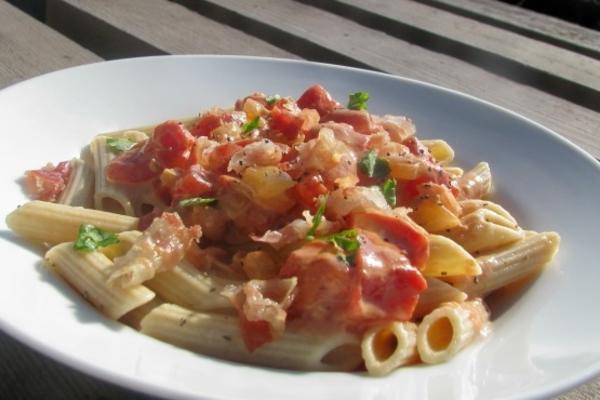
(90, 238)
(373, 166)
(250, 125)
(273, 99)
(197, 201)
(119, 145)
(358, 101)
(345, 240)
(388, 188)
(310, 235)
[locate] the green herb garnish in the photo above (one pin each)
(388, 188)
(273, 99)
(310, 235)
(119, 145)
(250, 125)
(373, 166)
(346, 241)
(197, 201)
(90, 238)
(358, 101)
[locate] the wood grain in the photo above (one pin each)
(550, 68)
(29, 48)
(116, 28)
(322, 30)
(525, 22)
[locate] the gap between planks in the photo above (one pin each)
(549, 68)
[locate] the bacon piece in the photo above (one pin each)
(48, 183)
(159, 248)
(262, 306)
(360, 120)
(388, 285)
(324, 283)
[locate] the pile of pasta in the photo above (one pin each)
(104, 237)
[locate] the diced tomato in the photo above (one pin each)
(220, 156)
(255, 333)
(286, 122)
(195, 181)
(405, 235)
(318, 98)
(134, 166)
(49, 182)
(207, 122)
(324, 283)
(388, 285)
(172, 144)
(406, 193)
(360, 120)
(308, 190)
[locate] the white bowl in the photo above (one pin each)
(545, 342)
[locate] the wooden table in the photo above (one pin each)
(540, 67)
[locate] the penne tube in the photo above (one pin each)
(447, 258)
(387, 347)
(484, 230)
(80, 188)
(218, 335)
(146, 130)
(119, 198)
(87, 273)
(186, 286)
(448, 329)
(440, 150)
(471, 205)
(134, 317)
(454, 172)
(476, 183)
(51, 223)
(512, 264)
(437, 292)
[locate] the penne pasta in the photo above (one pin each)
(476, 183)
(387, 347)
(440, 150)
(80, 188)
(437, 292)
(447, 258)
(218, 335)
(448, 329)
(87, 273)
(186, 286)
(52, 223)
(484, 230)
(512, 263)
(123, 199)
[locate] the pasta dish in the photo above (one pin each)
(293, 233)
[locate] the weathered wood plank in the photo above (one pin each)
(547, 67)
(117, 28)
(29, 48)
(525, 22)
(322, 30)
